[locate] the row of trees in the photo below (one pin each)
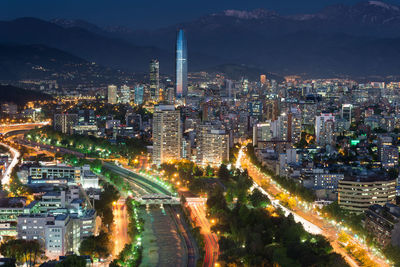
(27, 252)
(289, 184)
(252, 236)
(355, 223)
(88, 145)
(31, 252)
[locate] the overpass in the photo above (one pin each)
(151, 185)
(5, 130)
(157, 199)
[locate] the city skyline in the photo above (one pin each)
(242, 137)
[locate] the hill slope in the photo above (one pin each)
(90, 46)
(20, 96)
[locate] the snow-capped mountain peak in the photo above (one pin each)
(383, 5)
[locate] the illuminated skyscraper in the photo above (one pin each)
(139, 92)
(124, 94)
(181, 66)
(154, 79)
(263, 79)
(112, 94)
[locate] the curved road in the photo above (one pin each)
(311, 219)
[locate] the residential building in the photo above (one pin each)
(65, 122)
(167, 134)
(324, 129)
(212, 146)
(383, 222)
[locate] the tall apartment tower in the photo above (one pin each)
(181, 66)
(64, 122)
(167, 134)
(154, 79)
(112, 94)
(213, 146)
(324, 129)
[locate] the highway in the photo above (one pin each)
(4, 129)
(147, 184)
(310, 220)
(7, 174)
(198, 214)
(120, 228)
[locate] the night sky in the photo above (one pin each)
(139, 14)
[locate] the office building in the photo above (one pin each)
(112, 94)
(139, 94)
(64, 122)
(357, 195)
(327, 181)
(124, 94)
(346, 113)
(52, 172)
(262, 133)
(86, 116)
(167, 134)
(181, 66)
(154, 79)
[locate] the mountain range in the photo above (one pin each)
(361, 40)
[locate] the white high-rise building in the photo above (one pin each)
(124, 94)
(167, 134)
(346, 113)
(112, 94)
(262, 132)
(212, 145)
(324, 128)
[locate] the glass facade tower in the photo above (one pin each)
(181, 65)
(154, 79)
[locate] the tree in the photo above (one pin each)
(258, 199)
(223, 173)
(96, 246)
(24, 251)
(72, 260)
(209, 171)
